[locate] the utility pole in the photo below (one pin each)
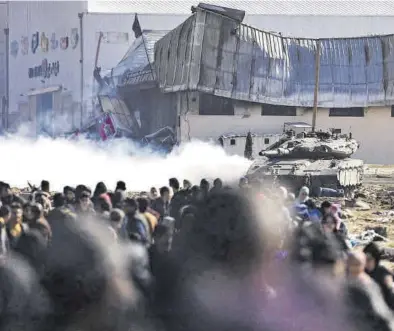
(7, 79)
(317, 77)
(81, 61)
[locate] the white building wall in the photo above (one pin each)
(50, 19)
(372, 131)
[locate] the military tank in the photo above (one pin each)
(314, 159)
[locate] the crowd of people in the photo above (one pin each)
(196, 257)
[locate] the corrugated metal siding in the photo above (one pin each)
(257, 66)
(268, 7)
(137, 65)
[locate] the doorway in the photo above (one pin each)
(44, 113)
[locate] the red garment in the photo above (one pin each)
(107, 198)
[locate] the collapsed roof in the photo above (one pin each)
(216, 54)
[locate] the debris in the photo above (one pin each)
(361, 205)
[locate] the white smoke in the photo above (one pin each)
(65, 162)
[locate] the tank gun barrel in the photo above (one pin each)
(276, 152)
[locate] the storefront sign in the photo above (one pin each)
(45, 70)
(115, 37)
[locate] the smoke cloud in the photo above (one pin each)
(65, 162)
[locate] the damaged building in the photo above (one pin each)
(225, 76)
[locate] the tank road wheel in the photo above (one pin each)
(349, 192)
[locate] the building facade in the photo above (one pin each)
(232, 78)
(53, 50)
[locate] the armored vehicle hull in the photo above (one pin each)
(315, 159)
(345, 174)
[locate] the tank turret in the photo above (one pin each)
(316, 159)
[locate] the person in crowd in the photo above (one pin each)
(45, 187)
(187, 185)
(243, 183)
(15, 226)
(379, 273)
(33, 217)
(69, 194)
(103, 208)
(303, 195)
(136, 227)
(184, 263)
(100, 190)
(204, 187)
(174, 184)
(5, 215)
(325, 208)
(7, 197)
(331, 225)
(313, 211)
(121, 186)
(116, 219)
(217, 185)
(162, 204)
(143, 205)
(366, 305)
(153, 195)
(84, 206)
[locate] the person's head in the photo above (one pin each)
(174, 184)
(329, 223)
(5, 190)
(243, 182)
(356, 263)
(100, 189)
(217, 183)
(187, 184)
(5, 213)
(32, 212)
(153, 192)
(59, 200)
(45, 186)
(373, 255)
(78, 191)
(326, 207)
(143, 204)
(116, 218)
(310, 204)
(120, 185)
(204, 185)
(165, 193)
(69, 194)
(16, 211)
(130, 206)
(44, 202)
(84, 201)
(102, 205)
(304, 194)
(312, 246)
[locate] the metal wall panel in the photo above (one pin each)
(244, 63)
